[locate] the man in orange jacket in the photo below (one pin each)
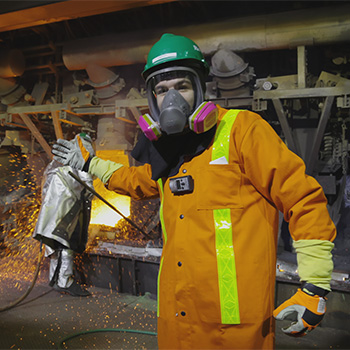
(222, 176)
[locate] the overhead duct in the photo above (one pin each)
(274, 31)
(12, 63)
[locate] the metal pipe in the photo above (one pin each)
(7, 86)
(274, 31)
(325, 115)
(109, 204)
(12, 63)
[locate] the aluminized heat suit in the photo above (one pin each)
(63, 219)
(217, 271)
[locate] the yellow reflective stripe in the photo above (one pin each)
(221, 146)
(159, 272)
(223, 232)
(226, 267)
(160, 183)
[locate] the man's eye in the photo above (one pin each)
(184, 87)
(160, 91)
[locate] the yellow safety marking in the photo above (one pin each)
(225, 255)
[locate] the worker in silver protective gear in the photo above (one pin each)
(63, 223)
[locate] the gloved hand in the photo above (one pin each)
(75, 153)
(309, 303)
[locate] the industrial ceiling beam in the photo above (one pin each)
(276, 31)
(66, 10)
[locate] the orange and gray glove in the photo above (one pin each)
(76, 153)
(309, 303)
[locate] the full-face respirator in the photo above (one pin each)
(175, 113)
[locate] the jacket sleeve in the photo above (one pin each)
(279, 175)
(135, 182)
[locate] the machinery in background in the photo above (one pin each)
(93, 85)
(313, 116)
(232, 80)
(310, 113)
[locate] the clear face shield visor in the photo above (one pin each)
(161, 94)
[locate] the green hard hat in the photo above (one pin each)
(172, 48)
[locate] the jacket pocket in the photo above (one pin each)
(218, 186)
(207, 300)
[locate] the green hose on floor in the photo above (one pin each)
(103, 330)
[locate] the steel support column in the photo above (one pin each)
(313, 157)
(36, 133)
(292, 144)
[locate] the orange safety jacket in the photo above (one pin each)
(217, 272)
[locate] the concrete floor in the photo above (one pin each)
(46, 318)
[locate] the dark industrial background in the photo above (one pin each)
(73, 66)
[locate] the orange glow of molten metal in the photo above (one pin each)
(101, 214)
